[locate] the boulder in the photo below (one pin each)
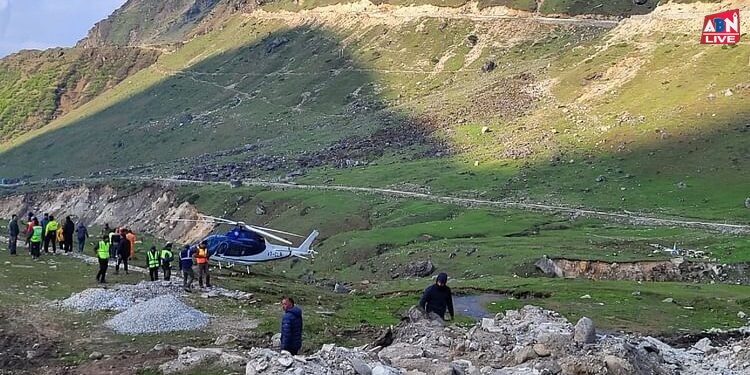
(420, 268)
(584, 331)
(96, 356)
(360, 367)
(399, 352)
(618, 366)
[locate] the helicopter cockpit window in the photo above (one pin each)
(238, 250)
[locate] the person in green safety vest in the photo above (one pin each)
(102, 253)
(152, 262)
(50, 234)
(166, 260)
(35, 239)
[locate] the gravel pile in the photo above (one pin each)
(158, 315)
(119, 297)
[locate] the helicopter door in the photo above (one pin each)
(222, 248)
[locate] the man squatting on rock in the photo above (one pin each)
(291, 326)
(437, 297)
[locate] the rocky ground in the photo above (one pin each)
(520, 342)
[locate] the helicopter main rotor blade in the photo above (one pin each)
(267, 234)
(195, 221)
(277, 231)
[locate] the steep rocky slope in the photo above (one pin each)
(37, 87)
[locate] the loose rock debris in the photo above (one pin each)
(529, 341)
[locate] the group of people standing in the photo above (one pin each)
(46, 232)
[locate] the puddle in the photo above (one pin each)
(475, 306)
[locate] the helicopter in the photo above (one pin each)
(246, 244)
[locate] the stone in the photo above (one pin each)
(225, 339)
(384, 370)
(285, 361)
(360, 367)
(488, 66)
(741, 315)
(488, 324)
(618, 366)
(542, 350)
(250, 369)
(420, 268)
(260, 210)
(486, 129)
(276, 340)
(600, 178)
(524, 354)
(704, 345)
(341, 288)
(400, 351)
(96, 356)
(584, 331)
(747, 202)
(668, 300)
(548, 267)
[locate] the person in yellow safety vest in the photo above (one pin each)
(102, 253)
(201, 258)
(166, 258)
(35, 239)
(152, 262)
(50, 234)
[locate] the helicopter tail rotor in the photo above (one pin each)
(304, 250)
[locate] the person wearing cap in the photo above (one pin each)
(438, 297)
(166, 258)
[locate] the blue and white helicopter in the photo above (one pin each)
(246, 244)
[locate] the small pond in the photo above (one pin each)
(475, 305)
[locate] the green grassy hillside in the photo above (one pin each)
(577, 114)
(37, 87)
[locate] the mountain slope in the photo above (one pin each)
(37, 87)
(579, 111)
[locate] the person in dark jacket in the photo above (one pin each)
(82, 233)
(186, 266)
(13, 232)
(123, 252)
(437, 297)
(68, 228)
(291, 326)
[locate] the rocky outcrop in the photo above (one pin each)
(674, 269)
(526, 341)
(151, 209)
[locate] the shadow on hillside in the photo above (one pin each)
(292, 100)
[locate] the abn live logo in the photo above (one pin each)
(722, 28)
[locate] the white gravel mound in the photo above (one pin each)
(119, 297)
(158, 315)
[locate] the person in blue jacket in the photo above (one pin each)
(438, 297)
(291, 326)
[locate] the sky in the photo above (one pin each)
(41, 24)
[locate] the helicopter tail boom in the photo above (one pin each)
(304, 249)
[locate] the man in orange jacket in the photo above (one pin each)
(201, 259)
